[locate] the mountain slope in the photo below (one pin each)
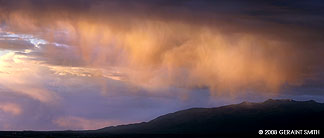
(240, 118)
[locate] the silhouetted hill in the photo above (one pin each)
(242, 119)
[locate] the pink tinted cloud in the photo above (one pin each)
(11, 108)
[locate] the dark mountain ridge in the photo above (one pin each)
(245, 117)
(242, 119)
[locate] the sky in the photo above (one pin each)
(88, 64)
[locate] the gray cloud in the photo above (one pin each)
(17, 45)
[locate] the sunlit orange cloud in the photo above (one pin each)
(154, 53)
(159, 54)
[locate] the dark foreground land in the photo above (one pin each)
(238, 120)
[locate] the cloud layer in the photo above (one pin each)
(157, 50)
(74, 58)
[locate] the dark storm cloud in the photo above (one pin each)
(291, 18)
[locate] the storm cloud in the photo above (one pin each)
(185, 51)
